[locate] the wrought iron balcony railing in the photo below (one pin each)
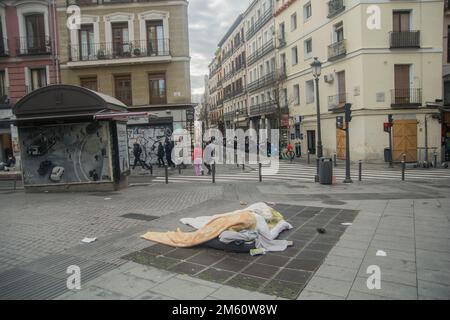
(337, 50)
(409, 97)
(83, 2)
(4, 52)
(335, 7)
(266, 80)
(337, 102)
(259, 23)
(119, 50)
(233, 94)
(33, 45)
(405, 39)
(259, 53)
(267, 107)
(4, 97)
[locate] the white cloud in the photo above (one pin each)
(209, 20)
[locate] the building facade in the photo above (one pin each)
(28, 59)
(384, 58)
(137, 52)
(215, 97)
(446, 84)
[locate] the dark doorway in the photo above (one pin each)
(311, 138)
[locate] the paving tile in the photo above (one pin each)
(182, 254)
(230, 264)
(297, 276)
(338, 273)
(149, 273)
(441, 276)
(230, 293)
(183, 289)
(151, 295)
(340, 261)
(260, 270)
(159, 249)
(319, 246)
(124, 284)
(393, 275)
(95, 293)
(312, 254)
(304, 264)
(246, 282)
(206, 258)
(357, 295)
(311, 295)
(433, 290)
(348, 252)
(329, 286)
(187, 268)
(148, 259)
(284, 289)
(388, 289)
(273, 260)
(215, 275)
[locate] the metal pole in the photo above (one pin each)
(391, 165)
(335, 160)
(179, 169)
(360, 171)
(166, 171)
(309, 157)
(403, 167)
(435, 159)
(319, 133)
(426, 143)
(213, 172)
(260, 172)
(348, 178)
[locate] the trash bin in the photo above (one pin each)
(326, 171)
(387, 155)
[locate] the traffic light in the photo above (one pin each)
(386, 127)
(340, 122)
(348, 112)
(390, 119)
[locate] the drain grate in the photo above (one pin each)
(139, 216)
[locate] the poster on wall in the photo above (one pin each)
(148, 138)
(67, 153)
(122, 141)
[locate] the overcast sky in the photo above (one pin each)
(208, 22)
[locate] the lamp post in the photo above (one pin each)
(316, 67)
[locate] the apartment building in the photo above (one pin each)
(383, 57)
(215, 97)
(27, 60)
(136, 51)
(232, 48)
(446, 85)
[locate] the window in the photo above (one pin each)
(35, 33)
(308, 48)
(293, 21)
(401, 21)
(122, 85)
(87, 46)
(283, 62)
(157, 85)
(155, 37)
(38, 78)
(294, 55)
(120, 39)
(3, 91)
(296, 94)
(309, 91)
(89, 83)
(307, 11)
(3, 46)
(281, 36)
(338, 34)
(285, 97)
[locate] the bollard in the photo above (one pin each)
(309, 159)
(435, 159)
(403, 167)
(213, 173)
(335, 160)
(167, 174)
(360, 171)
(260, 172)
(243, 166)
(151, 169)
(235, 159)
(179, 169)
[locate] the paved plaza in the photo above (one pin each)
(409, 221)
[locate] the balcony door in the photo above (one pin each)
(155, 38)
(120, 38)
(401, 21)
(341, 87)
(123, 89)
(157, 85)
(87, 46)
(35, 33)
(402, 83)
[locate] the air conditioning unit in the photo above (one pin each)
(329, 78)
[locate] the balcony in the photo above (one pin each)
(4, 52)
(33, 45)
(115, 50)
(119, 1)
(406, 98)
(233, 94)
(267, 107)
(83, 2)
(4, 98)
(259, 23)
(264, 81)
(337, 50)
(405, 39)
(259, 53)
(335, 7)
(336, 102)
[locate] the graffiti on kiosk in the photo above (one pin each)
(68, 153)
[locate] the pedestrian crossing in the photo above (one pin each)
(305, 173)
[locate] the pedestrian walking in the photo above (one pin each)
(208, 156)
(160, 154)
(168, 150)
(137, 152)
(197, 158)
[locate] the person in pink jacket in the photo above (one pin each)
(197, 158)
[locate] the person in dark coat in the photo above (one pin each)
(160, 155)
(168, 150)
(137, 152)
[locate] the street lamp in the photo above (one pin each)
(316, 67)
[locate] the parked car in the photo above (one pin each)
(57, 174)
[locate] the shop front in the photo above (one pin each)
(72, 139)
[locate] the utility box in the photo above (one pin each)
(387, 155)
(326, 171)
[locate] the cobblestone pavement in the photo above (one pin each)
(40, 235)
